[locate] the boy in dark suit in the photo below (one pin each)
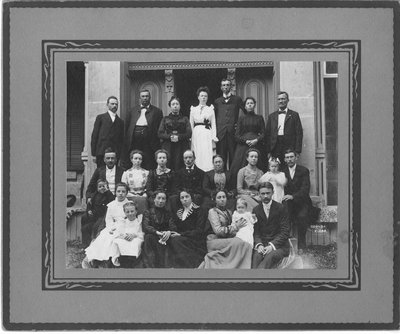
(271, 232)
(297, 198)
(108, 131)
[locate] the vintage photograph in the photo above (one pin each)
(226, 165)
(202, 165)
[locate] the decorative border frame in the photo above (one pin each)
(9, 324)
(352, 48)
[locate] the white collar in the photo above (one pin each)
(227, 96)
(267, 206)
(112, 114)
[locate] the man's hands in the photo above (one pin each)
(264, 250)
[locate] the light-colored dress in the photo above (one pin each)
(101, 248)
(204, 134)
(225, 250)
(279, 181)
(247, 186)
(247, 231)
(120, 246)
(136, 179)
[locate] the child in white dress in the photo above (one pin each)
(126, 245)
(277, 178)
(246, 232)
(101, 248)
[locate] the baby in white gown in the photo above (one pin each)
(246, 232)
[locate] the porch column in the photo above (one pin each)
(169, 85)
(102, 79)
(297, 79)
(232, 77)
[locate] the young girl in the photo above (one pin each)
(277, 179)
(246, 232)
(128, 240)
(101, 248)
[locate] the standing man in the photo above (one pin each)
(108, 131)
(283, 130)
(297, 197)
(271, 231)
(142, 123)
(227, 112)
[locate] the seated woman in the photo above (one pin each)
(136, 179)
(247, 179)
(159, 227)
(187, 245)
(159, 179)
(215, 180)
(225, 250)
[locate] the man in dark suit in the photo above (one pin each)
(227, 112)
(109, 172)
(297, 198)
(108, 131)
(189, 178)
(141, 129)
(283, 130)
(271, 231)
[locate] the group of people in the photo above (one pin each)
(167, 209)
(209, 128)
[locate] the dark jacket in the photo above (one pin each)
(226, 114)
(100, 173)
(154, 116)
(209, 187)
(299, 187)
(107, 133)
(192, 181)
(293, 131)
(274, 229)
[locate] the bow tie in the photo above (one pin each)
(281, 112)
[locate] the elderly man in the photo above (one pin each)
(108, 131)
(271, 231)
(141, 129)
(283, 130)
(227, 112)
(297, 198)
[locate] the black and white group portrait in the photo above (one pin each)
(230, 166)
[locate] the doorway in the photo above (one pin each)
(187, 81)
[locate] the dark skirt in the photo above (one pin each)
(175, 152)
(185, 252)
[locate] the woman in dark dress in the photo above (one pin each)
(159, 179)
(249, 134)
(188, 245)
(218, 179)
(158, 226)
(175, 132)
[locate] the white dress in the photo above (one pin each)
(247, 231)
(279, 181)
(203, 135)
(101, 248)
(120, 246)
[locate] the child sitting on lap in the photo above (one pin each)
(246, 232)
